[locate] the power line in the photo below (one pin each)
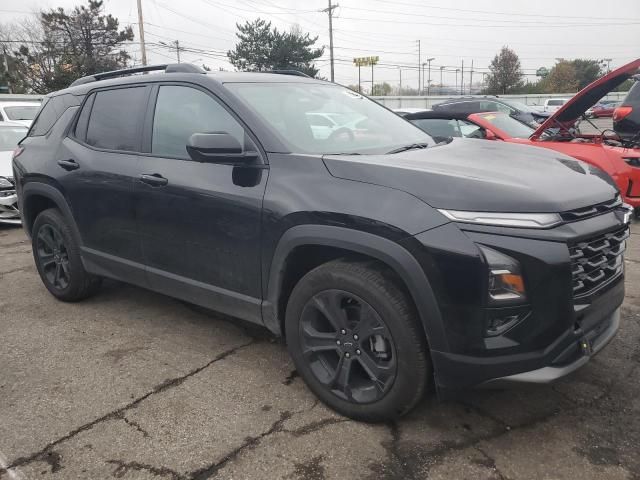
(487, 12)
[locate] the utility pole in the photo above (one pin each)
(423, 77)
(442, 67)
(175, 43)
(400, 88)
(329, 10)
(429, 60)
(141, 30)
(471, 79)
(462, 79)
(419, 59)
(457, 70)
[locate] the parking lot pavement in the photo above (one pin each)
(596, 125)
(135, 385)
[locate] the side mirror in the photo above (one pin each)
(489, 135)
(218, 147)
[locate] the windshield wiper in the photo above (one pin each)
(413, 146)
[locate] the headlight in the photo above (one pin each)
(5, 183)
(506, 285)
(523, 220)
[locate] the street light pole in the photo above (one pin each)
(429, 60)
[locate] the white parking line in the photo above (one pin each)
(13, 473)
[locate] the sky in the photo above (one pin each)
(449, 32)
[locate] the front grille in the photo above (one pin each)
(591, 211)
(596, 261)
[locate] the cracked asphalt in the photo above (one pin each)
(134, 385)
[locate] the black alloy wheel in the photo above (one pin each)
(348, 346)
(53, 257)
(356, 340)
(56, 251)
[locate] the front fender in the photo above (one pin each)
(387, 251)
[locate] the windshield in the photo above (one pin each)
(10, 136)
(518, 105)
(357, 125)
(510, 126)
(22, 112)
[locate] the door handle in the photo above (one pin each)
(153, 179)
(69, 164)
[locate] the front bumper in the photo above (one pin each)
(9, 209)
(597, 325)
(589, 345)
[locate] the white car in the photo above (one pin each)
(19, 112)
(10, 134)
(553, 104)
(323, 124)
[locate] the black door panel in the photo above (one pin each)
(199, 222)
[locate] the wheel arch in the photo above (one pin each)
(37, 197)
(359, 243)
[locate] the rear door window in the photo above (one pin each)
(116, 119)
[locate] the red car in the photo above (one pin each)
(558, 132)
(603, 108)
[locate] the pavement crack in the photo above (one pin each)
(491, 463)
(15, 270)
(135, 425)
(315, 426)
(123, 467)
(118, 414)
(249, 444)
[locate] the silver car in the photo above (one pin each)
(10, 135)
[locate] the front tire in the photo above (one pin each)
(57, 256)
(355, 339)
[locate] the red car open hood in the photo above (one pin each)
(588, 96)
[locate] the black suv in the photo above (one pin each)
(385, 260)
(518, 110)
(626, 117)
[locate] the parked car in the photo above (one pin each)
(626, 117)
(518, 110)
(557, 133)
(407, 110)
(10, 135)
(389, 263)
(604, 108)
(19, 112)
(323, 124)
(553, 104)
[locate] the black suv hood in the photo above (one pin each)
(481, 175)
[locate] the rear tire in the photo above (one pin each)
(57, 256)
(355, 339)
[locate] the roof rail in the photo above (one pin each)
(167, 68)
(296, 73)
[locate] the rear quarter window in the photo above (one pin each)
(50, 111)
